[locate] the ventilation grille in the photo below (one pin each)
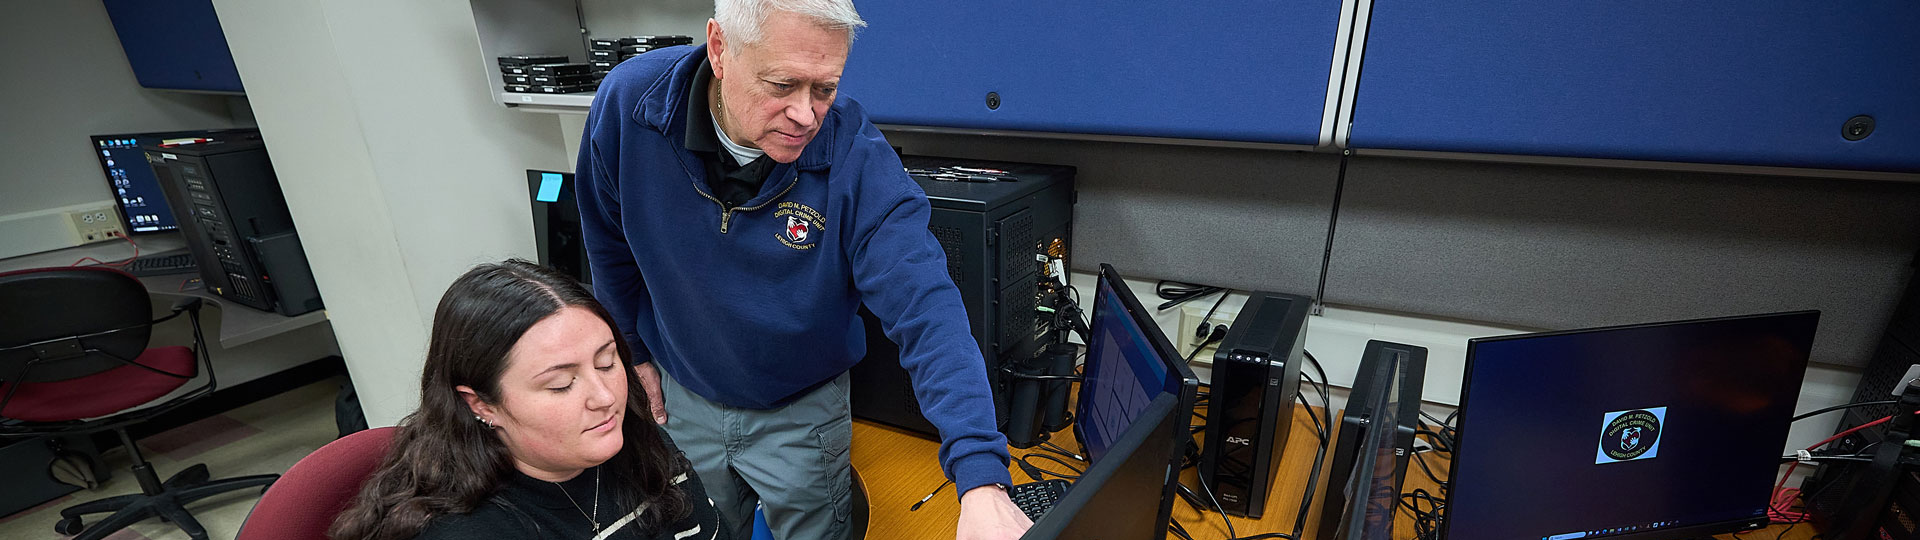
(1016, 247)
(951, 243)
(1016, 315)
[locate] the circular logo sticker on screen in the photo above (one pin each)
(1630, 435)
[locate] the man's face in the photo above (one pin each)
(773, 94)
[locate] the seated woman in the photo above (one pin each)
(530, 426)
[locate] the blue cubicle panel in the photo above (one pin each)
(175, 44)
(1240, 70)
(1720, 81)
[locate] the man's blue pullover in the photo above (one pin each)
(753, 305)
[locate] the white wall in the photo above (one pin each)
(400, 171)
(66, 78)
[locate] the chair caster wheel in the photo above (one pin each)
(69, 526)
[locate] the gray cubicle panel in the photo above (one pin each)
(1567, 247)
(1235, 217)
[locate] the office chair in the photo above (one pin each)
(74, 361)
(304, 503)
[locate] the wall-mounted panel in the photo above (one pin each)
(1239, 70)
(1572, 247)
(1768, 83)
(175, 44)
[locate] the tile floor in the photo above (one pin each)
(265, 437)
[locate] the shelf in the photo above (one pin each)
(548, 103)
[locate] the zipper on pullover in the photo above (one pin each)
(726, 212)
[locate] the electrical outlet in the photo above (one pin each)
(1191, 314)
(96, 224)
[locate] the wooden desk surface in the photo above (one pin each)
(900, 468)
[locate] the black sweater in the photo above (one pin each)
(525, 507)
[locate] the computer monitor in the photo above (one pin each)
(1121, 496)
(1129, 362)
(1130, 367)
(136, 191)
(1657, 431)
(1375, 442)
(143, 208)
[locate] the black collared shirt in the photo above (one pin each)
(732, 183)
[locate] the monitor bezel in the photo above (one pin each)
(1685, 531)
(1356, 424)
(1189, 383)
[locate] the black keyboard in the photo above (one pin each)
(162, 264)
(1036, 498)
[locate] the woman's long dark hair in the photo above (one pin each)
(443, 461)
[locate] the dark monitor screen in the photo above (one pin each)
(143, 209)
(1656, 431)
(1121, 497)
(1375, 486)
(1375, 443)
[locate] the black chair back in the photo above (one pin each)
(66, 323)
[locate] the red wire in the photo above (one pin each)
(117, 264)
(1782, 505)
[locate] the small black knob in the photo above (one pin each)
(993, 100)
(1856, 128)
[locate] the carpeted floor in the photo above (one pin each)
(265, 437)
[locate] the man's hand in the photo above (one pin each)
(987, 514)
(650, 381)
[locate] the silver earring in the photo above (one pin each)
(483, 421)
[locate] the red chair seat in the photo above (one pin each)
(305, 501)
(103, 393)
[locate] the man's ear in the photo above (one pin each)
(479, 407)
(716, 44)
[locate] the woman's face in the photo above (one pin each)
(562, 397)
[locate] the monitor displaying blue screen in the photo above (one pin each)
(1123, 372)
(135, 190)
(1656, 431)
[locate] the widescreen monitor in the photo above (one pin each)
(1648, 432)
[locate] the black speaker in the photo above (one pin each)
(1256, 373)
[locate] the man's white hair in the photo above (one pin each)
(743, 21)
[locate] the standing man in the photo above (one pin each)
(737, 214)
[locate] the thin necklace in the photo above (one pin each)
(595, 518)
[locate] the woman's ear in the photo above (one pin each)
(479, 407)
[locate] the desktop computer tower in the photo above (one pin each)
(1826, 490)
(227, 201)
(1000, 224)
(1256, 372)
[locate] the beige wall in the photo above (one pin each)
(399, 169)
